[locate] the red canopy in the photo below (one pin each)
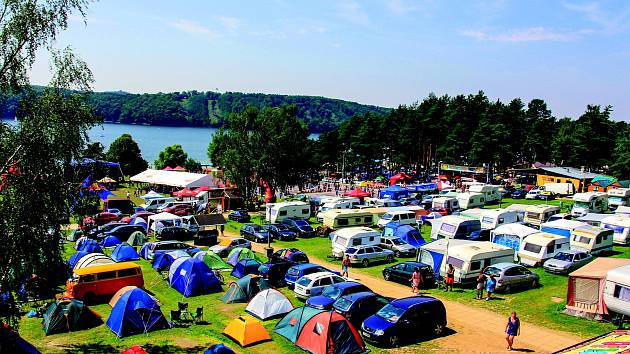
(167, 168)
(357, 193)
(204, 188)
(399, 177)
(178, 168)
(186, 192)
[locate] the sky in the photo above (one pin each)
(383, 52)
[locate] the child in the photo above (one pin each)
(490, 285)
(450, 277)
(481, 280)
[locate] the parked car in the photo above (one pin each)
(239, 215)
(398, 246)
(566, 261)
(289, 254)
(101, 230)
(301, 227)
(357, 307)
(104, 218)
(546, 195)
(143, 214)
(176, 233)
(314, 283)
(510, 276)
(300, 270)
(114, 211)
(518, 194)
(368, 254)
(333, 292)
(122, 232)
(440, 211)
(405, 320)
(167, 246)
(274, 273)
(180, 210)
(254, 233)
(506, 192)
(532, 194)
(227, 245)
(401, 272)
(281, 232)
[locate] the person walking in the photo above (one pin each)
(128, 195)
(481, 281)
(344, 266)
(450, 278)
(416, 280)
(512, 329)
(490, 285)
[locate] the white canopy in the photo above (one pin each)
(157, 219)
(174, 178)
(151, 195)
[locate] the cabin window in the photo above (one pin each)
(372, 238)
(368, 219)
(558, 246)
(305, 211)
(357, 242)
(622, 293)
(598, 239)
(107, 275)
(86, 278)
(127, 272)
(357, 220)
(583, 239)
(501, 220)
(482, 200)
(282, 213)
(476, 265)
(342, 222)
(530, 247)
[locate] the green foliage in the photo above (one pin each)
(126, 152)
(94, 150)
(192, 165)
(171, 156)
(621, 155)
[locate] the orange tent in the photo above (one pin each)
(246, 330)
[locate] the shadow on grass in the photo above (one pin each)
(149, 348)
(415, 339)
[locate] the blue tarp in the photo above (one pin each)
(437, 261)
(72, 261)
(90, 246)
(556, 231)
(144, 251)
(164, 260)
(407, 233)
(124, 252)
(245, 267)
(423, 187)
(193, 277)
(394, 192)
(110, 241)
(136, 312)
(219, 349)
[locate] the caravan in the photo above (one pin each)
(562, 189)
(446, 205)
(620, 224)
(469, 200)
(561, 227)
(340, 218)
(520, 209)
(539, 247)
(154, 204)
(618, 197)
(591, 202)
(276, 212)
(340, 204)
(592, 239)
(535, 215)
(492, 218)
(617, 292)
(490, 192)
(469, 260)
(593, 219)
(432, 253)
(457, 227)
(352, 237)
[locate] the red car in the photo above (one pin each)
(180, 210)
(104, 218)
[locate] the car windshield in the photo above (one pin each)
(563, 256)
(584, 205)
(258, 228)
(293, 271)
(332, 292)
(387, 216)
(301, 223)
(304, 281)
(390, 313)
(342, 304)
(281, 227)
(398, 242)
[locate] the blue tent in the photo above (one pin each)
(139, 221)
(136, 312)
(244, 267)
(144, 251)
(72, 261)
(394, 192)
(110, 241)
(124, 252)
(193, 277)
(219, 349)
(164, 260)
(407, 233)
(90, 246)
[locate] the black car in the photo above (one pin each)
(239, 215)
(101, 230)
(289, 254)
(122, 232)
(359, 306)
(275, 271)
(301, 227)
(401, 273)
(281, 232)
(255, 233)
(518, 194)
(174, 233)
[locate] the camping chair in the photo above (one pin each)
(182, 307)
(197, 316)
(176, 318)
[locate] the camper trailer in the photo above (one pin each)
(457, 227)
(618, 197)
(561, 227)
(592, 239)
(353, 236)
(593, 219)
(617, 293)
(345, 204)
(520, 209)
(491, 218)
(339, 218)
(590, 202)
(623, 210)
(562, 189)
(379, 203)
(469, 260)
(446, 203)
(490, 192)
(432, 253)
(403, 217)
(535, 215)
(276, 212)
(511, 235)
(620, 225)
(539, 247)
(469, 200)
(155, 203)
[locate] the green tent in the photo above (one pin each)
(239, 253)
(212, 260)
(244, 289)
(291, 325)
(137, 238)
(69, 315)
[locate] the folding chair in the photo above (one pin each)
(176, 318)
(183, 309)
(197, 316)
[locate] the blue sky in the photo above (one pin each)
(384, 52)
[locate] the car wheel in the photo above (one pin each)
(397, 254)
(438, 330)
(393, 341)
(387, 275)
(390, 258)
(508, 289)
(365, 262)
(535, 283)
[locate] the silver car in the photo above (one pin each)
(510, 276)
(398, 245)
(566, 261)
(368, 254)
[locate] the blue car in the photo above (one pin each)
(359, 306)
(297, 271)
(300, 227)
(239, 215)
(333, 292)
(518, 194)
(403, 320)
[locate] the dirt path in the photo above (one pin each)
(476, 330)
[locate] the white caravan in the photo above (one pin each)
(590, 202)
(617, 291)
(620, 224)
(276, 212)
(535, 215)
(469, 200)
(539, 247)
(469, 260)
(618, 197)
(592, 239)
(352, 237)
(490, 192)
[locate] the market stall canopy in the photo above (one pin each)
(186, 192)
(357, 193)
(399, 177)
(174, 178)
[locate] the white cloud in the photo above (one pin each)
(193, 28)
(229, 23)
(352, 11)
(607, 21)
(532, 34)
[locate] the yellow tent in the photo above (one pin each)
(246, 330)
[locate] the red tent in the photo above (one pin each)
(357, 193)
(186, 192)
(399, 177)
(330, 332)
(178, 168)
(167, 168)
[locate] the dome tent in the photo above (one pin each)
(137, 238)
(124, 252)
(239, 253)
(244, 267)
(212, 260)
(90, 246)
(72, 261)
(219, 348)
(269, 304)
(110, 241)
(164, 260)
(144, 251)
(291, 325)
(246, 330)
(69, 315)
(244, 289)
(330, 332)
(193, 277)
(92, 259)
(136, 312)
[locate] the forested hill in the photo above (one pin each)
(195, 108)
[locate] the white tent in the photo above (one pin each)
(174, 178)
(156, 221)
(92, 259)
(152, 195)
(269, 303)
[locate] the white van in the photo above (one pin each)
(379, 203)
(592, 239)
(400, 216)
(276, 212)
(620, 224)
(339, 218)
(590, 202)
(563, 189)
(330, 206)
(352, 237)
(618, 197)
(469, 260)
(454, 226)
(539, 247)
(617, 291)
(469, 200)
(154, 204)
(448, 203)
(490, 192)
(535, 215)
